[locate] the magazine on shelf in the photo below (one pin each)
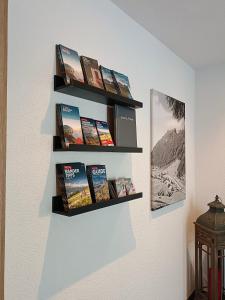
(72, 185)
(120, 187)
(108, 80)
(130, 189)
(104, 133)
(122, 83)
(68, 125)
(69, 64)
(89, 131)
(91, 72)
(98, 182)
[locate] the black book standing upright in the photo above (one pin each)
(122, 122)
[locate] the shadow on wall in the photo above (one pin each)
(167, 209)
(190, 246)
(83, 244)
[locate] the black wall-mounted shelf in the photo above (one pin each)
(87, 92)
(92, 148)
(57, 205)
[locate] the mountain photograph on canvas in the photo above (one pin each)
(167, 150)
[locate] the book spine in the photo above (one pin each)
(90, 182)
(115, 122)
(111, 122)
(99, 136)
(83, 131)
(60, 185)
(112, 191)
(84, 69)
(103, 82)
(59, 125)
(60, 65)
(116, 84)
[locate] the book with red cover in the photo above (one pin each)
(104, 133)
(89, 131)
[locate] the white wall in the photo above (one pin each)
(210, 137)
(122, 252)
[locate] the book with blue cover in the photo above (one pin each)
(72, 185)
(98, 182)
(69, 126)
(108, 80)
(123, 84)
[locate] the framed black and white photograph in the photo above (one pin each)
(167, 150)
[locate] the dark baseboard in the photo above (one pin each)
(192, 296)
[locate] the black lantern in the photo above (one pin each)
(209, 253)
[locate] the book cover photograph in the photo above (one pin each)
(71, 126)
(120, 186)
(77, 192)
(98, 182)
(123, 84)
(92, 72)
(104, 133)
(70, 62)
(130, 189)
(122, 123)
(89, 131)
(112, 190)
(108, 80)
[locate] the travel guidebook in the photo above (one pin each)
(120, 186)
(69, 64)
(69, 126)
(112, 190)
(130, 189)
(104, 133)
(108, 80)
(123, 84)
(98, 182)
(91, 72)
(89, 131)
(73, 185)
